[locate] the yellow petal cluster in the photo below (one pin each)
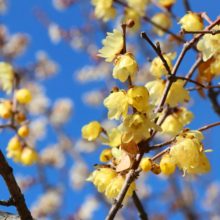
(163, 20)
(215, 66)
(156, 89)
(23, 96)
(106, 155)
(104, 9)
(101, 178)
(6, 109)
(117, 104)
(167, 3)
(115, 186)
(91, 131)
(136, 127)
(117, 153)
(188, 153)
(28, 156)
(113, 45)
(139, 98)
(114, 138)
(6, 76)
(210, 44)
(166, 167)
(125, 65)
(175, 122)
(138, 5)
(132, 14)
(157, 68)
(192, 22)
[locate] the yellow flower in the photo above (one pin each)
(175, 122)
(146, 164)
(166, 167)
(28, 156)
(136, 127)
(188, 153)
(23, 131)
(6, 109)
(23, 96)
(91, 131)
(117, 104)
(106, 155)
(104, 9)
(6, 76)
(115, 186)
(177, 94)
(113, 45)
(14, 143)
(210, 44)
(15, 154)
(125, 65)
(157, 68)
(167, 3)
(138, 5)
(215, 66)
(191, 22)
(163, 20)
(139, 98)
(101, 178)
(117, 153)
(114, 138)
(131, 14)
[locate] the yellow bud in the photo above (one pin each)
(166, 167)
(23, 96)
(23, 131)
(106, 155)
(146, 164)
(28, 156)
(5, 112)
(20, 117)
(156, 169)
(91, 131)
(14, 144)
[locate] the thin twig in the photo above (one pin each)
(186, 5)
(206, 17)
(199, 88)
(190, 80)
(213, 32)
(209, 126)
(8, 203)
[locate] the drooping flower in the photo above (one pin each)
(101, 178)
(210, 44)
(157, 68)
(106, 155)
(136, 127)
(125, 65)
(91, 131)
(113, 45)
(166, 167)
(163, 20)
(176, 121)
(192, 22)
(139, 98)
(6, 109)
(188, 153)
(114, 138)
(167, 3)
(6, 76)
(215, 66)
(132, 14)
(28, 156)
(115, 186)
(104, 9)
(138, 5)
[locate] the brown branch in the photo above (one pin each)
(186, 5)
(157, 49)
(209, 126)
(206, 87)
(141, 213)
(190, 80)
(18, 198)
(8, 203)
(206, 17)
(213, 32)
(157, 146)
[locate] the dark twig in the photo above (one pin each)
(206, 87)
(139, 206)
(213, 32)
(186, 5)
(190, 80)
(213, 96)
(8, 203)
(206, 17)
(18, 198)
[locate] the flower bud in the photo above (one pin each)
(106, 155)
(91, 131)
(5, 112)
(23, 96)
(146, 164)
(14, 143)
(130, 23)
(166, 167)
(23, 131)
(20, 117)
(28, 156)
(156, 169)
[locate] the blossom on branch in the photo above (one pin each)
(91, 131)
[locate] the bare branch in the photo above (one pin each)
(213, 32)
(190, 80)
(8, 203)
(186, 5)
(206, 87)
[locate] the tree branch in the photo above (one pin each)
(8, 203)
(212, 32)
(186, 5)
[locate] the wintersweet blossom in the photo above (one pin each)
(139, 98)
(192, 22)
(114, 138)
(215, 66)
(117, 154)
(157, 68)
(136, 127)
(138, 5)
(188, 153)
(163, 20)
(117, 104)
(210, 44)
(175, 122)
(91, 131)
(106, 155)
(113, 45)
(104, 9)
(6, 76)
(115, 186)
(101, 178)
(28, 156)
(167, 3)
(125, 65)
